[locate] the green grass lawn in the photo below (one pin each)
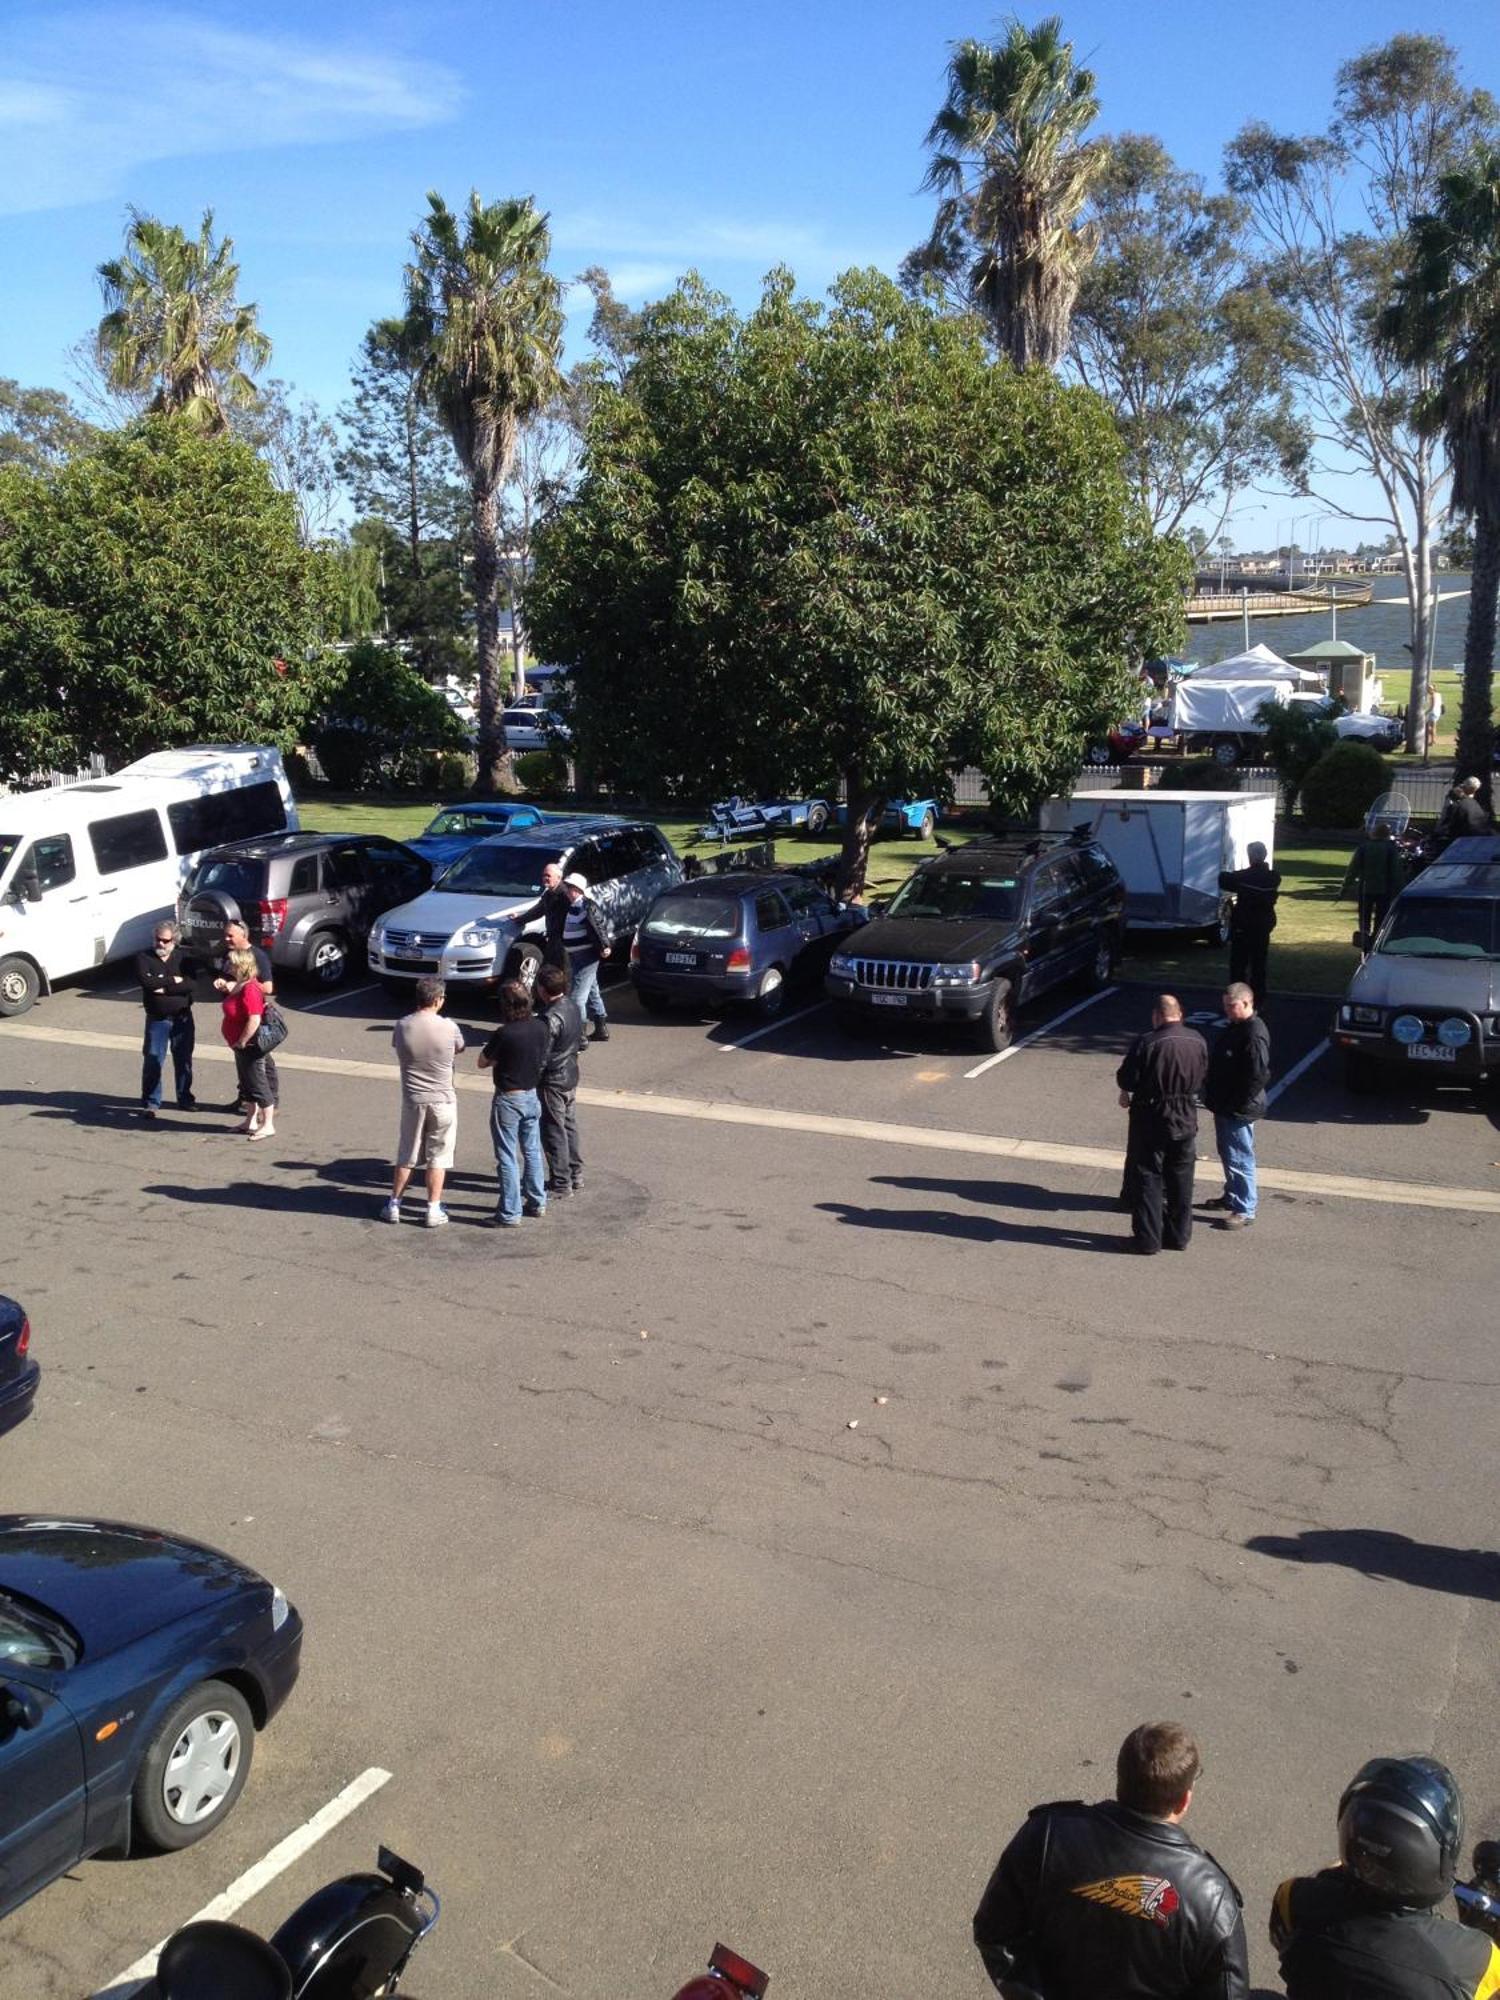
(1310, 952)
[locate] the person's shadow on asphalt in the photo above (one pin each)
(1376, 1552)
(1000, 1194)
(968, 1228)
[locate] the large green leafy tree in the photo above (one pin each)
(396, 459)
(155, 592)
(1331, 210)
(174, 330)
(485, 315)
(1445, 318)
(1012, 171)
(39, 428)
(1176, 327)
(823, 544)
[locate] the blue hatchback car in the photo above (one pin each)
(19, 1373)
(458, 828)
(741, 936)
(135, 1670)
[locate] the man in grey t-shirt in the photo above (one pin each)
(426, 1046)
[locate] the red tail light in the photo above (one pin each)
(738, 960)
(270, 914)
(739, 1972)
(635, 951)
(23, 1338)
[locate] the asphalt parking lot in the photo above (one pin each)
(770, 1623)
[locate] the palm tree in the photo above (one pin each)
(173, 333)
(1446, 314)
(1013, 174)
(485, 314)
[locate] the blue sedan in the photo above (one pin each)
(458, 828)
(19, 1373)
(135, 1670)
(739, 936)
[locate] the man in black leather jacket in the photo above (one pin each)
(1114, 1899)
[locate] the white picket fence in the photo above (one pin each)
(55, 781)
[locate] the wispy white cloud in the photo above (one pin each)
(687, 241)
(89, 94)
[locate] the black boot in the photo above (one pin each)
(601, 1032)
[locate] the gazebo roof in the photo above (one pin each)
(1329, 649)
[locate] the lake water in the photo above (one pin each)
(1381, 628)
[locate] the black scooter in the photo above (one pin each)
(351, 1940)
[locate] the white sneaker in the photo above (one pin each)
(391, 1212)
(437, 1215)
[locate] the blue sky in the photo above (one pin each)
(659, 136)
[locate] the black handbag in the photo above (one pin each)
(272, 1030)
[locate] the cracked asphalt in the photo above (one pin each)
(769, 1625)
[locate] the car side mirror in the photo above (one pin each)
(21, 1708)
(878, 906)
(29, 886)
(1361, 940)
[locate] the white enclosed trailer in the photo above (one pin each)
(1170, 847)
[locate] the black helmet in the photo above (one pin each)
(1401, 1827)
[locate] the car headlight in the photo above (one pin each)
(1361, 1017)
(280, 1609)
(479, 937)
(377, 937)
(841, 965)
(956, 975)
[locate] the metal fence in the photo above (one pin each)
(55, 781)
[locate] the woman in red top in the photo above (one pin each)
(244, 1007)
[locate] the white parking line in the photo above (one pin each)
(781, 1021)
(1036, 1033)
(135, 1978)
(1296, 1070)
(353, 994)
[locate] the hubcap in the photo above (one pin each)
(201, 1768)
(328, 960)
(13, 987)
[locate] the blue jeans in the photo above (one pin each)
(175, 1032)
(585, 988)
(516, 1129)
(1235, 1138)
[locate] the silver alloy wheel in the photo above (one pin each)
(201, 1769)
(327, 960)
(14, 986)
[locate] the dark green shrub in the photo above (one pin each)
(1201, 774)
(298, 770)
(447, 771)
(541, 771)
(1296, 737)
(349, 757)
(1344, 783)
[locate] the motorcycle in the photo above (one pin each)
(351, 1940)
(729, 1977)
(1479, 1901)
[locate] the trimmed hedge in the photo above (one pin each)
(1343, 785)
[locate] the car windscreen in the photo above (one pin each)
(953, 892)
(495, 870)
(461, 820)
(694, 916)
(230, 875)
(1441, 927)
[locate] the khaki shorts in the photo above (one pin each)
(428, 1133)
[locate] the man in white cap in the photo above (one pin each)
(587, 945)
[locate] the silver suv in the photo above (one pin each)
(308, 899)
(465, 930)
(1427, 997)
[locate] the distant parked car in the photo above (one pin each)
(308, 898)
(918, 817)
(19, 1373)
(1384, 731)
(738, 936)
(458, 828)
(135, 1669)
(533, 729)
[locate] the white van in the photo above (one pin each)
(87, 871)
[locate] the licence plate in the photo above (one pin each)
(888, 999)
(1431, 1052)
(681, 957)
